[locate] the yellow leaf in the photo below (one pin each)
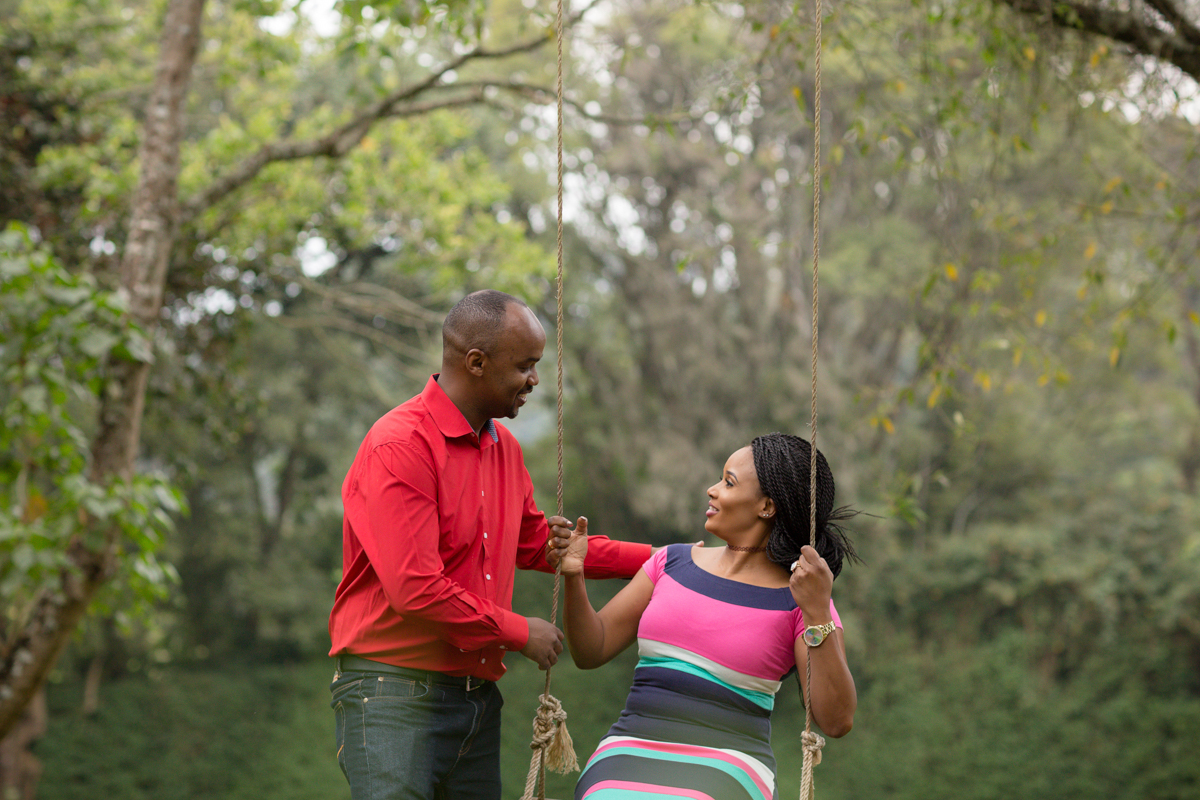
(933, 396)
(35, 507)
(1090, 252)
(899, 86)
(984, 380)
(1039, 319)
(1194, 317)
(1043, 380)
(1030, 53)
(1107, 207)
(1018, 354)
(951, 272)
(774, 32)
(1112, 184)
(1114, 356)
(796, 93)
(1082, 293)
(888, 426)
(1160, 185)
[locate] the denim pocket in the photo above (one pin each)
(342, 686)
(385, 687)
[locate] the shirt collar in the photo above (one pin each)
(449, 419)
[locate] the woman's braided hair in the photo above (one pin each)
(782, 462)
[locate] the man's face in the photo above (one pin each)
(510, 372)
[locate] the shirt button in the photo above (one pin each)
(488, 576)
(485, 534)
(483, 661)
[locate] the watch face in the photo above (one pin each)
(813, 637)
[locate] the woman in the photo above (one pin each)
(718, 629)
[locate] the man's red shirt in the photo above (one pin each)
(436, 519)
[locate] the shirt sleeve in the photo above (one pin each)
(394, 515)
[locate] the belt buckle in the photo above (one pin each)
(474, 683)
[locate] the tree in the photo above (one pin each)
(156, 219)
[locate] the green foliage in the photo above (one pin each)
(253, 733)
(58, 330)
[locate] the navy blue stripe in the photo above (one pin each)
(685, 571)
(662, 709)
(681, 731)
(688, 687)
(657, 772)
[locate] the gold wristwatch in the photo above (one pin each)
(815, 634)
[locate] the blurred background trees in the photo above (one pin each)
(1009, 382)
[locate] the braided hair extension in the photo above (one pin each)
(782, 463)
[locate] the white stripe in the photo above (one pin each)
(653, 649)
(761, 769)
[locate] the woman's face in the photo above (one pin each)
(736, 502)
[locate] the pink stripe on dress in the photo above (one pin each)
(689, 750)
(650, 789)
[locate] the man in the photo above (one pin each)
(439, 512)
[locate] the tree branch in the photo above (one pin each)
(1173, 47)
(545, 94)
(1176, 19)
(344, 138)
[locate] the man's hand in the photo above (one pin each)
(567, 545)
(545, 643)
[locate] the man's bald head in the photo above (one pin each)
(476, 322)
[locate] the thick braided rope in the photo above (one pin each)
(812, 743)
(551, 744)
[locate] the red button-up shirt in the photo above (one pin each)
(436, 520)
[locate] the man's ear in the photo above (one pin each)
(474, 361)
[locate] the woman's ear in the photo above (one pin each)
(768, 509)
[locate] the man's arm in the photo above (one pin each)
(393, 512)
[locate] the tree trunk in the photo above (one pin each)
(20, 771)
(26, 663)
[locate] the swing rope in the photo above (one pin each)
(552, 746)
(551, 742)
(812, 742)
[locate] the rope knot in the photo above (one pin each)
(550, 720)
(812, 744)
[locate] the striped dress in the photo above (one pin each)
(712, 654)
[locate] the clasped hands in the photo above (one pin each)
(567, 544)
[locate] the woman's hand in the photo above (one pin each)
(567, 545)
(811, 584)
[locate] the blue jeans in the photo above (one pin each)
(402, 739)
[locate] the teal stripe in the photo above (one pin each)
(737, 774)
(764, 699)
(610, 793)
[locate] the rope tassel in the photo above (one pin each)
(550, 734)
(552, 746)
